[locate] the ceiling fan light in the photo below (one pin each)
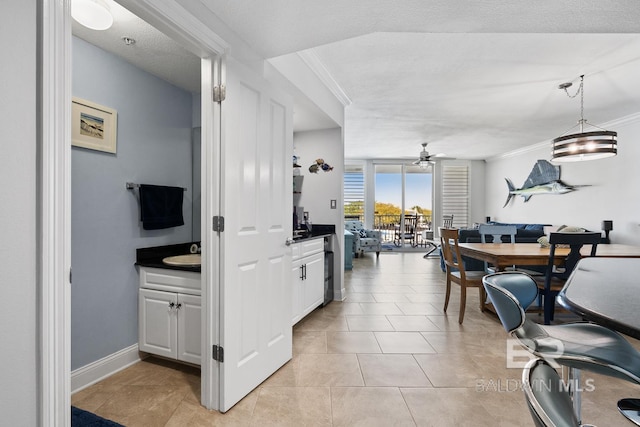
(93, 14)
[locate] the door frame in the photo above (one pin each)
(54, 193)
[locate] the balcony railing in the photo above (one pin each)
(388, 224)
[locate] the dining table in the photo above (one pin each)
(605, 291)
(503, 255)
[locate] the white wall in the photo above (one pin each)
(612, 191)
(319, 189)
(18, 252)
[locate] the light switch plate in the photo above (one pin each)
(333, 204)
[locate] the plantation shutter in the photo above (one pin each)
(354, 191)
(455, 194)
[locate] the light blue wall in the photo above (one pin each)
(154, 147)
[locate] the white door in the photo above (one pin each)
(256, 203)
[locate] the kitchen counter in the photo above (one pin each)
(153, 256)
(317, 230)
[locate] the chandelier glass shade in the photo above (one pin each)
(576, 147)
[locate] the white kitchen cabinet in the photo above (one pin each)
(169, 314)
(307, 274)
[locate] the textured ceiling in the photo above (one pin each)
(473, 79)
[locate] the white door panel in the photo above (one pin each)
(256, 203)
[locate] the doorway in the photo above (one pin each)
(403, 203)
(55, 195)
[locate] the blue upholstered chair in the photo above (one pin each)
(584, 345)
(579, 345)
(547, 398)
(364, 240)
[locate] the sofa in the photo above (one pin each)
(525, 233)
(364, 240)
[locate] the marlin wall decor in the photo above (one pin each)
(544, 178)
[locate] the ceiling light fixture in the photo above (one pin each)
(93, 14)
(576, 147)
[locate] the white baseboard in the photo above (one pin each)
(90, 374)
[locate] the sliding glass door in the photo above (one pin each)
(403, 203)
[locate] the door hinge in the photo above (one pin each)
(218, 353)
(219, 93)
(218, 223)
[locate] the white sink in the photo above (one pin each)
(188, 260)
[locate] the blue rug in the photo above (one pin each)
(82, 418)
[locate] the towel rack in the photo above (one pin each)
(131, 186)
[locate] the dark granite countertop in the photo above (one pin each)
(317, 230)
(152, 257)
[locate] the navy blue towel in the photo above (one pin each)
(160, 206)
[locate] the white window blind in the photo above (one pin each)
(354, 190)
(455, 193)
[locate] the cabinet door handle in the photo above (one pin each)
(171, 305)
(179, 306)
(302, 272)
(304, 269)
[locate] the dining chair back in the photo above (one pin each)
(447, 221)
(547, 396)
(496, 233)
(456, 272)
(556, 275)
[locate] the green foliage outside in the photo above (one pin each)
(386, 213)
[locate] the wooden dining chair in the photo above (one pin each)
(556, 275)
(456, 273)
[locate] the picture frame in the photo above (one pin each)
(93, 126)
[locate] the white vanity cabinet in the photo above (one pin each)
(169, 313)
(307, 277)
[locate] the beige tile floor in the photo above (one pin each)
(386, 356)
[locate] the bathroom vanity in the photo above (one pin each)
(169, 307)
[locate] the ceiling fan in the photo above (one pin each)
(426, 159)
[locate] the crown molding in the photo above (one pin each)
(316, 65)
(621, 121)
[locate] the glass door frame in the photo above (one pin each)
(370, 196)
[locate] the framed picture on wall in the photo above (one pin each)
(93, 126)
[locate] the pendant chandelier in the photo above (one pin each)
(576, 147)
